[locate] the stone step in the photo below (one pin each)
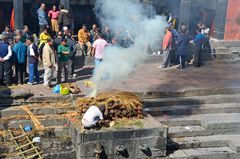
(208, 142)
(205, 153)
(195, 109)
(206, 120)
(17, 111)
(188, 131)
(195, 100)
(45, 122)
(226, 56)
(190, 92)
(60, 155)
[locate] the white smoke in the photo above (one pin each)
(127, 17)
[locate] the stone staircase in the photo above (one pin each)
(226, 50)
(200, 127)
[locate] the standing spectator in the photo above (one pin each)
(94, 32)
(63, 52)
(20, 52)
(79, 49)
(182, 46)
(84, 34)
(57, 41)
(66, 32)
(166, 46)
(43, 38)
(5, 60)
(53, 14)
(25, 32)
(206, 32)
(8, 34)
(98, 49)
(42, 18)
(71, 56)
(32, 53)
(107, 35)
(18, 32)
(49, 62)
(174, 59)
(64, 18)
(198, 42)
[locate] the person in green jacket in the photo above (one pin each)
(63, 52)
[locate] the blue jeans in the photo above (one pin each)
(33, 72)
(104, 76)
(97, 62)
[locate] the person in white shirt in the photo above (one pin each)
(93, 116)
(6, 61)
(98, 49)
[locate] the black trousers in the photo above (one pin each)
(20, 73)
(5, 68)
(197, 56)
(182, 61)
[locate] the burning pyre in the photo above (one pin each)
(117, 104)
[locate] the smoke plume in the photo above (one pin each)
(131, 20)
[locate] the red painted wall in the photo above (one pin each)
(232, 27)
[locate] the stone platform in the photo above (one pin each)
(199, 105)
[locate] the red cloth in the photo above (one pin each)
(12, 20)
(167, 40)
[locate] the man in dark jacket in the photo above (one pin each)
(182, 46)
(5, 61)
(64, 18)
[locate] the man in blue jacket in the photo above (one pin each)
(20, 53)
(5, 60)
(198, 42)
(42, 18)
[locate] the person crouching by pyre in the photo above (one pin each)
(93, 117)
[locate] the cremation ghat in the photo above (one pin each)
(54, 130)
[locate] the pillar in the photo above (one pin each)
(184, 12)
(220, 18)
(18, 13)
(66, 3)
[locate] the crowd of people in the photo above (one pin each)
(55, 47)
(177, 45)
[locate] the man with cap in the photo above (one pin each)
(66, 32)
(6, 61)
